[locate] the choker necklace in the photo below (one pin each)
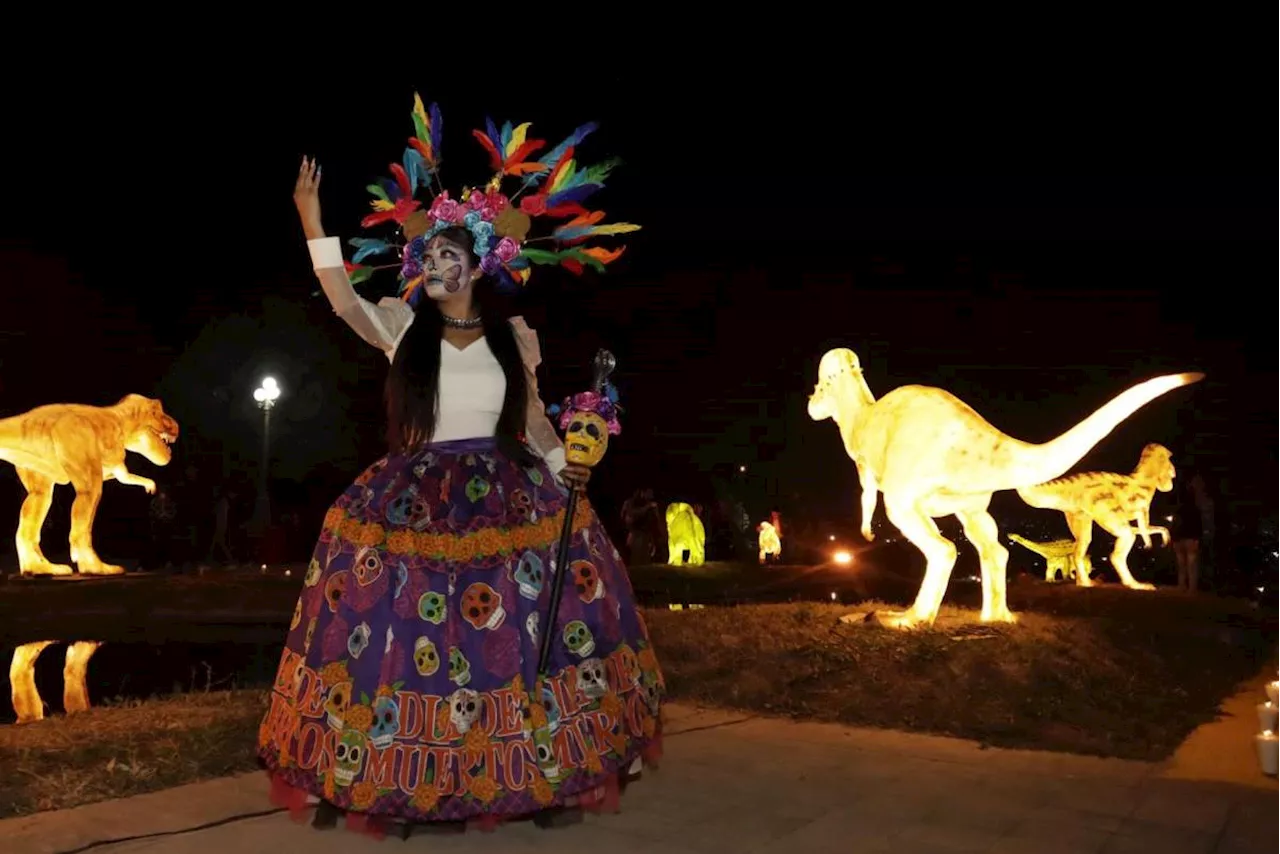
(461, 323)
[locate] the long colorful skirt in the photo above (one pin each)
(408, 687)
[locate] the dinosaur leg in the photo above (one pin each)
(940, 556)
(88, 494)
(75, 694)
(981, 530)
(870, 492)
(35, 507)
(27, 704)
(1082, 531)
(1120, 555)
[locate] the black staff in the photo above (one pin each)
(604, 365)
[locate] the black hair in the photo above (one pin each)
(412, 391)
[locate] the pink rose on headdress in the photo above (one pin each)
(444, 208)
(477, 200)
(495, 203)
(588, 400)
(506, 250)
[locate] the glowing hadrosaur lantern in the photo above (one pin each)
(770, 542)
(685, 534)
(84, 446)
(931, 455)
(1059, 556)
(1116, 502)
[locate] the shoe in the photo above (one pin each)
(558, 817)
(326, 817)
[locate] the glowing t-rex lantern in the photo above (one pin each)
(770, 542)
(1116, 502)
(931, 455)
(83, 446)
(685, 534)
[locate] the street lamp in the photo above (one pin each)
(266, 396)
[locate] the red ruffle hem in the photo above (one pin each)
(604, 798)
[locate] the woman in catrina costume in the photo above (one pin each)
(408, 694)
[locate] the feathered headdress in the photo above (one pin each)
(552, 187)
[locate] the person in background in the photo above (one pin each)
(1185, 532)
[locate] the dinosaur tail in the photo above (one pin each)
(1031, 465)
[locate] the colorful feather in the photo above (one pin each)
(366, 246)
(567, 233)
(402, 181)
(416, 168)
(509, 148)
(378, 192)
(359, 274)
(604, 256)
(437, 128)
(570, 195)
(540, 256)
(495, 156)
(427, 129)
(553, 156)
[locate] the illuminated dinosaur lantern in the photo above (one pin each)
(1059, 557)
(84, 446)
(1120, 504)
(769, 541)
(685, 534)
(931, 455)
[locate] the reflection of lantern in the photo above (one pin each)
(770, 545)
(685, 534)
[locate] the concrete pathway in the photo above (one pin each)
(732, 784)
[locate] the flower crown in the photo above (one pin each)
(553, 187)
(603, 403)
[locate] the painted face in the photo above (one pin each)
(447, 267)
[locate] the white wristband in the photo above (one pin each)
(326, 253)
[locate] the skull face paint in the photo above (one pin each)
(446, 267)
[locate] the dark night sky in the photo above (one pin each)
(1034, 239)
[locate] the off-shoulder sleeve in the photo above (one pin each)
(539, 432)
(382, 324)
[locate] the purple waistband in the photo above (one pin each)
(463, 446)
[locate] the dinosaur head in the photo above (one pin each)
(1156, 464)
(148, 429)
(836, 382)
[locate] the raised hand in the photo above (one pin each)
(306, 198)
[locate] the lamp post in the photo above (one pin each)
(265, 395)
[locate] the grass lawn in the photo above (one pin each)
(1104, 671)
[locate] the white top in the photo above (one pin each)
(472, 385)
(472, 388)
